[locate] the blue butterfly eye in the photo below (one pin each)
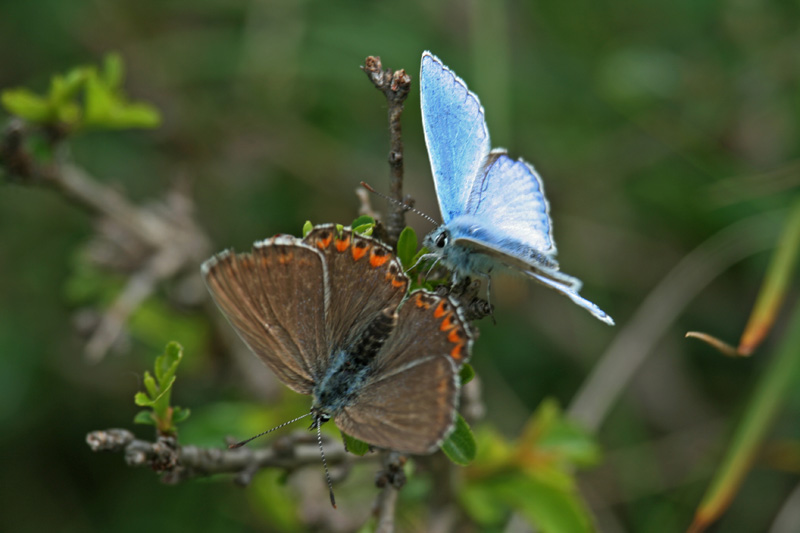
(441, 240)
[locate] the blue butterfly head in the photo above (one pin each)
(452, 245)
(437, 241)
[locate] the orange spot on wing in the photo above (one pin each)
(395, 282)
(455, 353)
(421, 303)
(342, 244)
(359, 252)
(377, 260)
(285, 258)
(455, 336)
(324, 242)
(440, 310)
(447, 323)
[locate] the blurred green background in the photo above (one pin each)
(655, 125)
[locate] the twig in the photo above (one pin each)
(658, 311)
(139, 287)
(179, 463)
(170, 239)
(387, 502)
(395, 86)
(391, 479)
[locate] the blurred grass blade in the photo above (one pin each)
(775, 284)
(782, 372)
(722, 346)
(770, 297)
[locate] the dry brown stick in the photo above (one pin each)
(171, 239)
(179, 463)
(387, 503)
(395, 87)
(390, 479)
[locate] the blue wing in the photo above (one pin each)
(569, 287)
(455, 134)
(509, 199)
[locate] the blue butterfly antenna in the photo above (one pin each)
(242, 443)
(402, 204)
(324, 462)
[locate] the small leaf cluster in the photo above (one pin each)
(533, 476)
(158, 390)
(82, 99)
(410, 258)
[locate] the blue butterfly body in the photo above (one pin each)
(494, 210)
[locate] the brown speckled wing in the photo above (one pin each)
(275, 299)
(365, 279)
(410, 402)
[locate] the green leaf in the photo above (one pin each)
(363, 225)
(363, 220)
(364, 229)
(157, 394)
(113, 71)
(407, 246)
(25, 104)
(550, 508)
(144, 417)
(68, 113)
(355, 446)
(466, 374)
(106, 109)
(339, 229)
(460, 445)
(150, 385)
(142, 400)
(179, 414)
(65, 89)
(165, 390)
(571, 443)
(307, 227)
(136, 115)
(273, 504)
(566, 442)
(99, 101)
(483, 505)
(167, 363)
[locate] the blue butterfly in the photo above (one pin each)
(493, 207)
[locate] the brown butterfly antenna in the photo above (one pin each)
(318, 423)
(242, 443)
(402, 204)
